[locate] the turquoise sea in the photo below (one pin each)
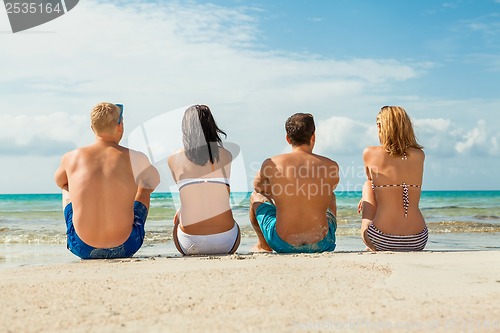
(32, 227)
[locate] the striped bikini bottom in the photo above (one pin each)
(384, 242)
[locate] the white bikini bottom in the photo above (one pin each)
(221, 243)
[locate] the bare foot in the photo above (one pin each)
(259, 248)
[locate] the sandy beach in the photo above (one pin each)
(363, 292)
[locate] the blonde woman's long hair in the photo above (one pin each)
(396, 131)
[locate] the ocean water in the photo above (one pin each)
(32, 227)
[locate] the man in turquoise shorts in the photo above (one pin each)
(293, 206)
(106, 191)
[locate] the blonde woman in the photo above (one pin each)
(391, 218)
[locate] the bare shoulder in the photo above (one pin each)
(270, 161)
(419, 153)
(71, 156)
(225, 155)
(327, 160)
(281, 159)
(266, 172)
(269, 165)
(371, 151)
(67, 156)
(138, 159)
(136, 153)
(174, 158)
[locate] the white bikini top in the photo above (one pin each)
(188, 181)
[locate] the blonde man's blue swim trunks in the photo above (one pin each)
(266, 217)
(79, 248)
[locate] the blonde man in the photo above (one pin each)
(106, 191)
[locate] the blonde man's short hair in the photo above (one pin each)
(104, 117)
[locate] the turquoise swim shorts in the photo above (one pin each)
(266, 217)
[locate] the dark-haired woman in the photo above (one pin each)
(204, 224)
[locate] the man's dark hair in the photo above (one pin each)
(200, 135)
(300, 128)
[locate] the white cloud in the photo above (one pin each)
(341, 135)
(444, 138)
(440, 137)
(479, 141)
(51, 134)
(40, 146)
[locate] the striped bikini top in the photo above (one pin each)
(406, 196)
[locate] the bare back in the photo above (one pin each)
(301, 185)
(102, 189)
(388, 174)
(205, 205)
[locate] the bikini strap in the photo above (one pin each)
(406, 199)
(395, 185)
(406, 193)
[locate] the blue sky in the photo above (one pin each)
(255, 63)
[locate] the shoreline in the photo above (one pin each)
(339, 291)
(20, 255)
